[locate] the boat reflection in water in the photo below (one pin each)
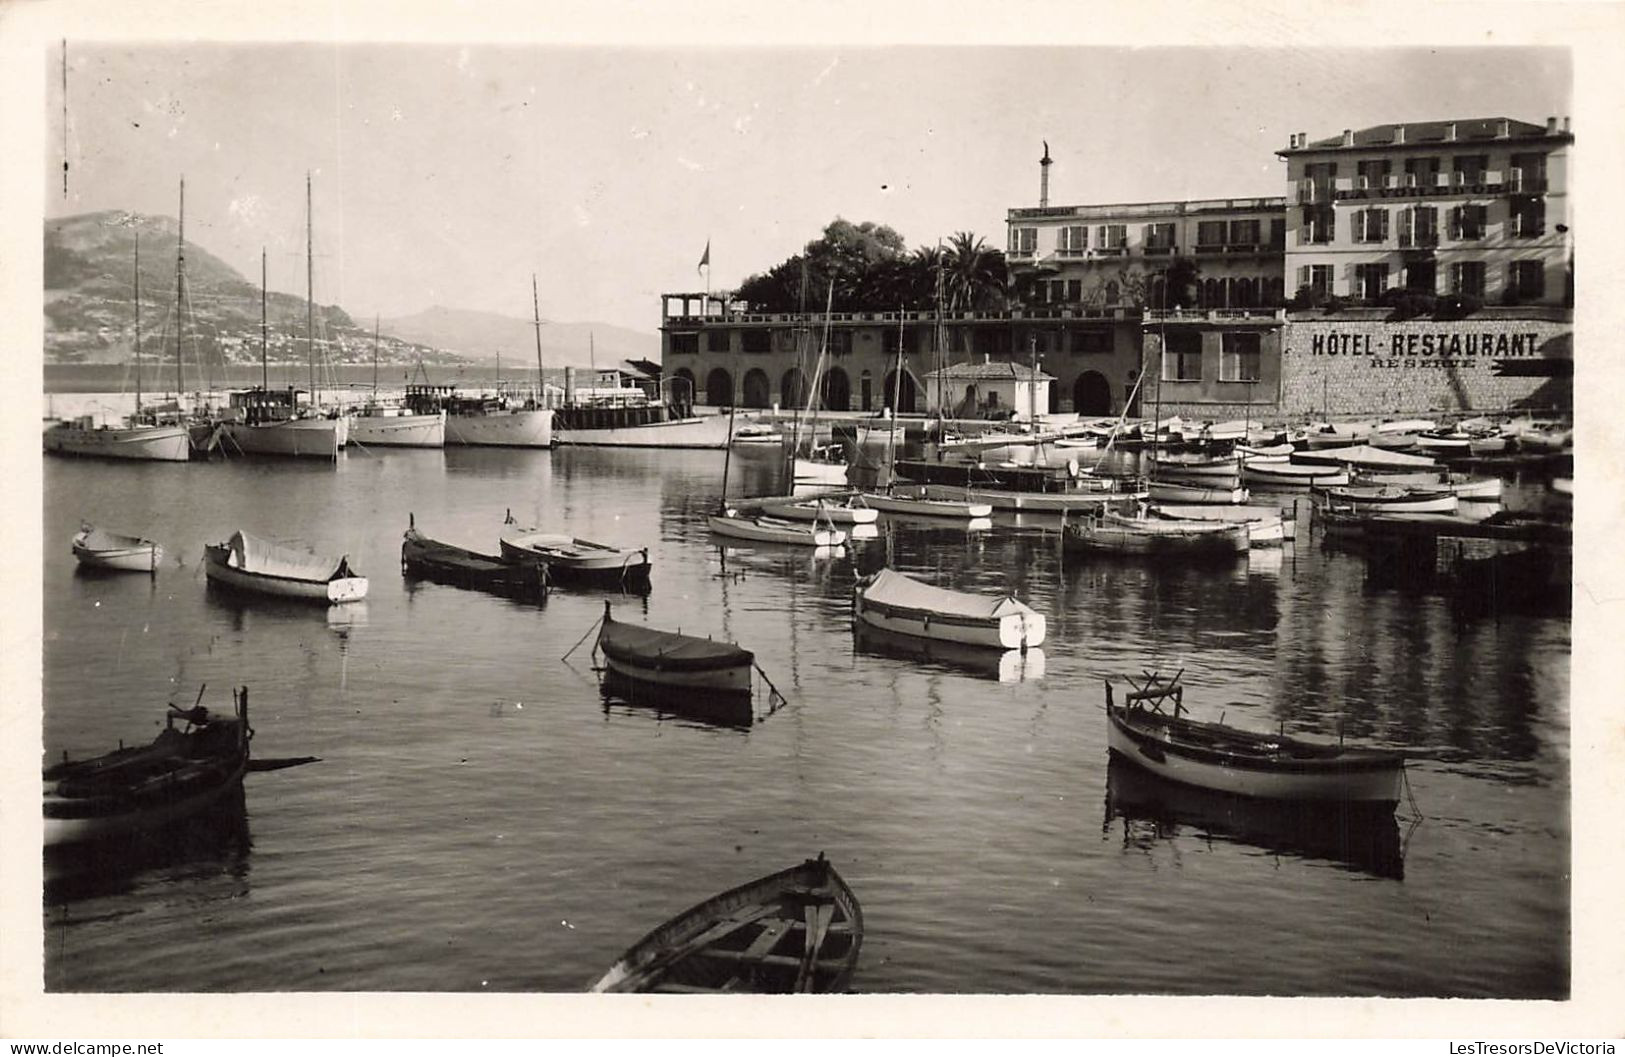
(1154, 809)
(212, 841)
(626, 696)
(1006, 666)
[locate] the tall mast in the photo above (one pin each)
(310, 290)
(138, 321)
(536, 315)
(375, 358)
(180, 283)
(897, 400)
(265, 377)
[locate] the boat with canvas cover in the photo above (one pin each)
(443, 563)
(674, 662)
(1191, 540)
(1239, 762)
(142, 789)
(893, 602)
(1466, 486)
(573, 560)
(248, 563)
(1364, 457)
(1391, 499)
(1266, 526)
(795, 931)
(97, 548)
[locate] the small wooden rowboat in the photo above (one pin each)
(674, 661)
(1194, 492)
(1466, 486)
(1291, 475)
(145, 788)
(835, 509)
(1194, 466)
(1239, 762)
(795, 931)
(893, 602)
(1162, 537)
(444, 563)
(1392, 499)
(100, 549)
(760, 529)
(919, 502)
(572, 560)
(1266, 526)
(248, 563)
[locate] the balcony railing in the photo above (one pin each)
(1522, 183)
(1159, 251)
(1419, 240)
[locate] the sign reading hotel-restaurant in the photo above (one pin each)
(1442, 348)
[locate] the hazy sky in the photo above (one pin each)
(448, 174)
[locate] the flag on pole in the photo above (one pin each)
(705, 259)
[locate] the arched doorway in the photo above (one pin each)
(719, 388)
(1092, 394)
(756, 390)
(907, 400)
(682, 386)
(793, 389)
(837, 390)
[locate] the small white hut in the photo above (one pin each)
(990, 389)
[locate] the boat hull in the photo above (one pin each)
(1152, 743)
(144, 559)
(60, 832)
(835, 512)
(400, 431)
(147, 443)
(1188, 541)
(1032, 502)
(1170, 492)
(922, 505)
(332, 592)
(579, 562)
(1291, 476)
(710, 431)
(1265, 527)
(502, 429)
(766, 531)
(313, 438)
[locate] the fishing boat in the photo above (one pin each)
(1179, 492)
(1239, 762)
(629, 416)
(142, 789)
(444, 563)
(572, 560)
(758, 433)
(842, 509)
(496, 419)
(672, 662)
(897, 603)
(1291, 475)
(1266, 526)
(1364, 457)
(1262, 453)
(1391, 499)
(97, 548)
(249, 563)
(795, 931)
(396, 425)
(1117, 534)
(262, 421)
(919, 501)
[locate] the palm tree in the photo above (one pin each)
(975, 273)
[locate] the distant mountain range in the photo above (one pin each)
(90, 312)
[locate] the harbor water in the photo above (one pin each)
(482, 818)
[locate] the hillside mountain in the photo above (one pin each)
(486, 335)
(90, 312)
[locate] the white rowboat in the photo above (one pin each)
(893, 602)
(99, 549)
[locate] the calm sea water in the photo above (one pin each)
(482, 819)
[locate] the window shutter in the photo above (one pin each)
(1303, 276)
(1455, 221)
(1383, 225)
(1405, 226)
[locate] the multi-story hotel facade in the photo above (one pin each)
(1410, 268)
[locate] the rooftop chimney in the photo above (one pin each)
(1565, 122)
(1348, 137)
(1303, 139)
(1503, 129)
(1399, 133)
(1551, 126)
(1450, 131)
(1043, 178)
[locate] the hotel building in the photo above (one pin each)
(1404, 269)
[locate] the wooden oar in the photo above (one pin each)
(281, 763)
(818, 917)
